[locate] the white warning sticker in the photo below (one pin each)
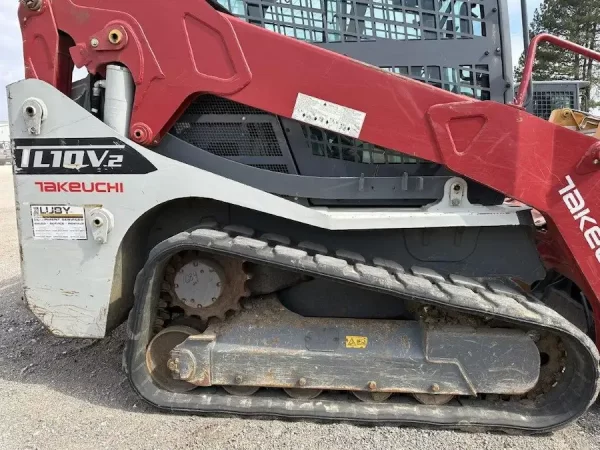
(330, 116)
(58, 222)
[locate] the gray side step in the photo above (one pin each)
(571, 397)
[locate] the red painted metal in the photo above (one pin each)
(187, 48)
(530, 60)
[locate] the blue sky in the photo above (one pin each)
(11, 64)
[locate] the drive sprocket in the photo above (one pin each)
(205, 285)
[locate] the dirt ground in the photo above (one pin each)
(71, 394)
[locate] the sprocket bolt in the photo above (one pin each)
(173, 365)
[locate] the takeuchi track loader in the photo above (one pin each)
(294, 233)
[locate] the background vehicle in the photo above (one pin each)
(289, 220)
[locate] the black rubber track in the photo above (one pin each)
(569, 399)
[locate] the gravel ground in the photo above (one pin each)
(71, 394)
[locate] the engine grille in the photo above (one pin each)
(231, 139)
(248, 135)
(281, 168)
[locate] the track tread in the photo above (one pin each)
(503, 301)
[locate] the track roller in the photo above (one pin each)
(160, 364)
(303, 394)
(372, 397)
(241, 391)
(433, 400)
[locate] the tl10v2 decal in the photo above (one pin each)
(78, 156)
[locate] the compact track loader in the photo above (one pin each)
(293, 232)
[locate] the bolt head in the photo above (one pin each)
(94, 42)
(302, 382)
(238, 379)
(534, 336)
(455, 202)
(596, 162)
(435, 387)
(173, 365)
(372, 385)
(34, 5)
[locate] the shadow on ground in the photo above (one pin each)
(87, 369)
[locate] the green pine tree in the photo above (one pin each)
(575, 20)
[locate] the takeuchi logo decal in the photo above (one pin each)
(588, 225)
(104, 156)
(80, 186)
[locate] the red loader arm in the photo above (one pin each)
(177, 50)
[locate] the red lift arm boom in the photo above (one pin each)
(177, 50)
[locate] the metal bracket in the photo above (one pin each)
(590, 162)
(34, 113)
(455, 196)
(102, 224)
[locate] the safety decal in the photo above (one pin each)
(58, 222)
(356, 341)
(328, 115)
(78, 156)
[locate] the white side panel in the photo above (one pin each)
(68, 282)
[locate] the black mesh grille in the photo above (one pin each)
(210, 104)
(544, 102)
(231, 139)
(282, 168)
(321, 21)
(473, 81)
(332, 145)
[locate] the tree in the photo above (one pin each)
(575, 20)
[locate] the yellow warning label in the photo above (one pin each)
(356, 341)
